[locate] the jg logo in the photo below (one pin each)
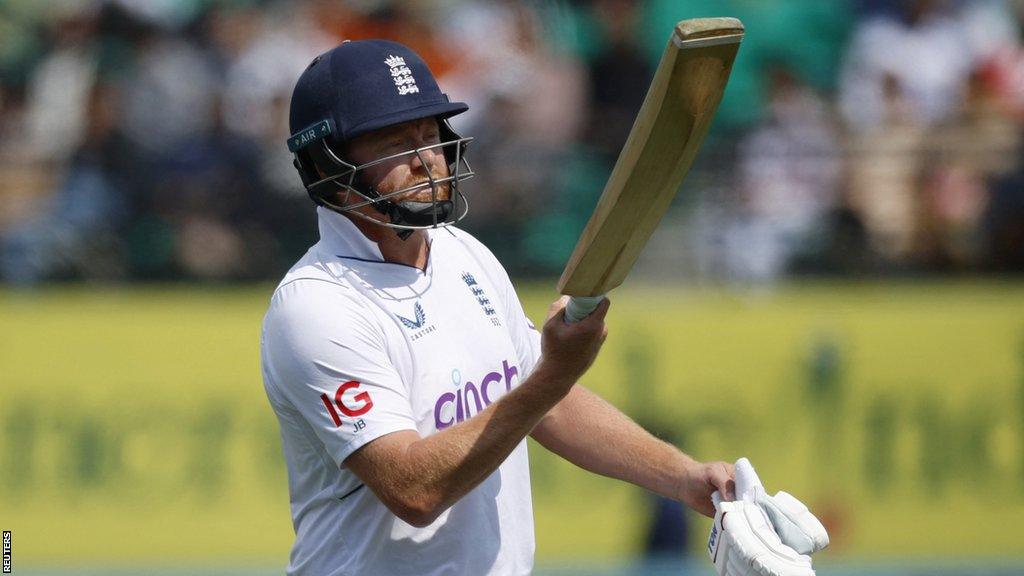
(354, 405)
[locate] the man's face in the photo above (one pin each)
(406, 170)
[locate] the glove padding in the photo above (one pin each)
(792, 521)
(743, 543)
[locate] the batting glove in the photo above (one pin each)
(792, 521)
(743, 543)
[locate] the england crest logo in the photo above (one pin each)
(402, 75)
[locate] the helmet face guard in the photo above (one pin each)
(356, 88)
(331, 182)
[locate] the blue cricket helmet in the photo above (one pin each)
(356, 88)
(360, 86)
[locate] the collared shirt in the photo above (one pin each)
(354, 348)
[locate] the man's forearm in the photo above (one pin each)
(443, 467)
(596, 436)
(418, 478)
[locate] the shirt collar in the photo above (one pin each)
(342, 238)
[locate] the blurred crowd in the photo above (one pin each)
(145, 139)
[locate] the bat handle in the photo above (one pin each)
(579, 307)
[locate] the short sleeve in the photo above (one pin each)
(325, 355)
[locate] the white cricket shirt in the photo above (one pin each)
(354, 348)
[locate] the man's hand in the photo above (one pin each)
(699, 481)
(762, 534)
(743, 543)
(568, 350)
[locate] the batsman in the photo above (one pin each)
(406, 377)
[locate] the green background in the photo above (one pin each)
(135, 430)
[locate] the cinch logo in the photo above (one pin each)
(470, 398)
(357, 405)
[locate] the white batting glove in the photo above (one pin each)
(743, 543)
(792, 521)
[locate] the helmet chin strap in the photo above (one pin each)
(409, 212)
(415, 213)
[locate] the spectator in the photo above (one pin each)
(789, 168)
(60, 85)
(129, 147)
(74, 235)
(885, 160)
(920, 56)
(1004, 223)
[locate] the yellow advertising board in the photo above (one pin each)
(135, 429)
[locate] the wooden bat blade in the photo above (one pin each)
(662, 144)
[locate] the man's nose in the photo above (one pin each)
(424, 158)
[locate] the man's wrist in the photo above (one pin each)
(686, 466)
(549, 381)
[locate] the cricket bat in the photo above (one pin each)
(662, 144)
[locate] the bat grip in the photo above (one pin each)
(579, 307)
